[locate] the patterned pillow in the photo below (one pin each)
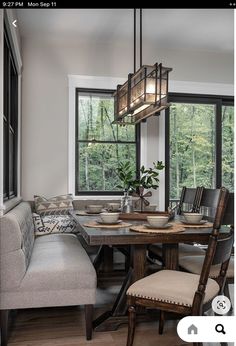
(53, 206)
(50, 224)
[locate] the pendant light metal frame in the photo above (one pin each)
(144, 93)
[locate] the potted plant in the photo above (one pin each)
(148, 179)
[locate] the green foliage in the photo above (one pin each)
(148, 176)
(192, 146)
(126, 175)
(97, 161)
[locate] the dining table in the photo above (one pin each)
(138, 242)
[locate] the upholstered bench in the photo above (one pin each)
(51, 270)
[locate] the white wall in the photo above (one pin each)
(45, 98)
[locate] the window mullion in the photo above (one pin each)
(218, 143)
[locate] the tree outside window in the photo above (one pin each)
(100, 145)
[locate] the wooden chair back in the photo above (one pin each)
(223, 249)
(189, 199)
(217, 199)
(208, 202)
(228, 218)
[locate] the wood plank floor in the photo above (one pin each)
(66, 327)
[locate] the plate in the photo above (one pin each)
(168, 225)
(92, 213)
(108, 223)
(194, 223)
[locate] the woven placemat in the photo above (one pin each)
(95, 224)
(142, 228)
(203, 225)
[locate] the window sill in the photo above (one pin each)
(98, 197)
(8, 205)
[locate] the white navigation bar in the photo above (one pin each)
(207, 329)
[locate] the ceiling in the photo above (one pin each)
(194, 29)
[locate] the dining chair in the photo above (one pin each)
(189, 201)
(181, 292)
(193, 264)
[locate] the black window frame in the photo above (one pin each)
(10, 121)
(137, 142)
(219, 101)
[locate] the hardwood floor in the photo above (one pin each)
(66, 327)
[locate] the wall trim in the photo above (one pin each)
(1, 112)
(90, 82)
(201, 88)
(12, 34)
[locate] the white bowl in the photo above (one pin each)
(157, 221)
(193, 217)
(109, 217)
(113, 206)
(94, 208)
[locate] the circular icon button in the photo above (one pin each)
(221, 305)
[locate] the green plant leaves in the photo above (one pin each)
(148, 177)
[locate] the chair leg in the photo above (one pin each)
(226, 293)
(131, 325)
(161, 321)
(4, 327)
(88, 310)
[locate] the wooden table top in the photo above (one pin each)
(102, 236)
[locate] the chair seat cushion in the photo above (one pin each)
(193, 264)
(184, 250)
(58, 262)
(173, 287)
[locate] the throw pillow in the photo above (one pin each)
(50, 224)
(53, 206)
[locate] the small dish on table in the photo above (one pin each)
(108, 223)
(168, 225)
(201, 222)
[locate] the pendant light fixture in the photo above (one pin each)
(144, 93)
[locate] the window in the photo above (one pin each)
(228, 147)
(101, 145)
(200, 141)
(10, 122)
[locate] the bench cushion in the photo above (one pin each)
(60, 273)
(16, 245)
(59, 264)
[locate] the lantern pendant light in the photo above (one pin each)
(144, 93)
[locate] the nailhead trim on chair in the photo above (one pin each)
(159, 300)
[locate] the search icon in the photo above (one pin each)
(220, 328)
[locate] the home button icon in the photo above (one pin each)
(192, 329)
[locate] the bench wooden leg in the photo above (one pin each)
(4, 327)
(88, 310)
